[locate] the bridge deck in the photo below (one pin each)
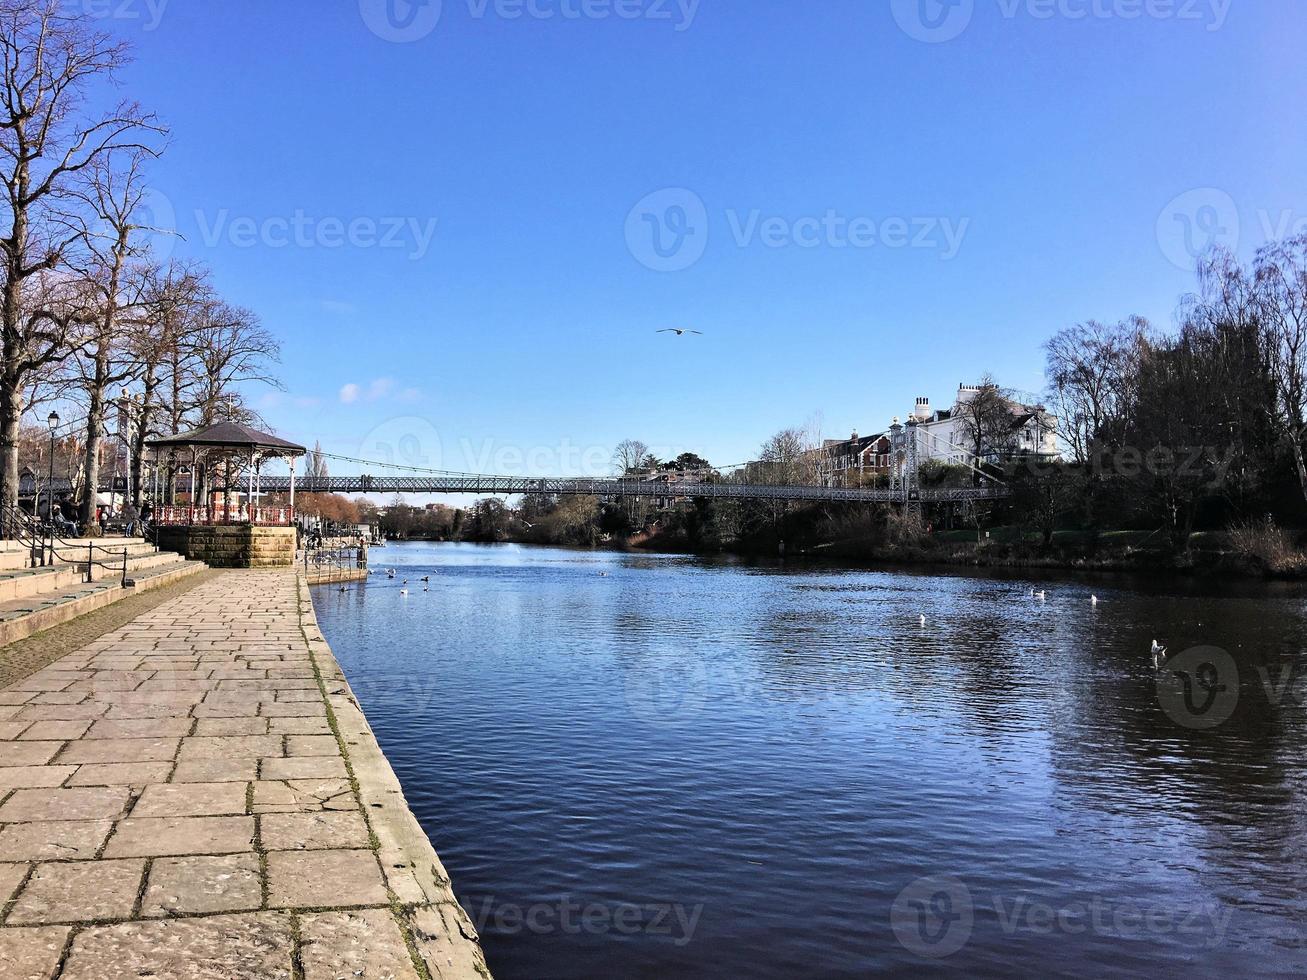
(513, 486)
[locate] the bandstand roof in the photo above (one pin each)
(229, 435)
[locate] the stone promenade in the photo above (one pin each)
(197, 795)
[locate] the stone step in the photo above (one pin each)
(14, 555)
(20, 618)
(21, 583)
(135, 563)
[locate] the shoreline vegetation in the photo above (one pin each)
(1212, 554)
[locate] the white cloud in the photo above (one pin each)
(379, 390)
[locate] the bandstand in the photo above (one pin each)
(216, 525)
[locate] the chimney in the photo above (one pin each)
(922, 412)
(854, 437)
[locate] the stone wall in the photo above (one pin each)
(330, 575)
(232, 546)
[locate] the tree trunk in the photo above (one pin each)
(11, 410)
(138, 454)
(1299, 463)
(94, 440)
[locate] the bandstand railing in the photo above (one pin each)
(177, 516)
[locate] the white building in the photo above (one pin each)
(943, 435)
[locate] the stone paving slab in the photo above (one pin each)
(177, 802)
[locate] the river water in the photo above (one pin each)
(663, 766)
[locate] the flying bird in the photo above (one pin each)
(679, 332)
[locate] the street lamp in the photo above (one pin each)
(49, 487)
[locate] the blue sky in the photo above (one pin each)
(853, 215)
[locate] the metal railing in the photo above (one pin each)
(46, 548)
(337, 563)
(175, 516)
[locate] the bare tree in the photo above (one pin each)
(106, 354)
(49, 63)
(230, 348)
(315, 465)
(172, 297)
(1090, 370)
(1281, 279)
(629, 457)
(986, 421)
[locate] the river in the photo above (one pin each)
(664, 766)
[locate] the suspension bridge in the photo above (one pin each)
(798, 480)
(240, 454)
(724, 489)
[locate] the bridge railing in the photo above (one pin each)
(725, 489)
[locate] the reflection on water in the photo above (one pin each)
(649, 766)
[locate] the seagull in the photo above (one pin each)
(1158, 649)
(679, 332)
(922, 620)
(403, 591)
(1040, 595)
(1093, 600)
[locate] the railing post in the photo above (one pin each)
(124, 568)
(90, 563)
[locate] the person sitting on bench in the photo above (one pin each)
(61, 524)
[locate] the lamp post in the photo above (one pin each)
(53, 420)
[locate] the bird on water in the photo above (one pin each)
(1159, 654)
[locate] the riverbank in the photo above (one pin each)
(198, 794)
(1115, 551)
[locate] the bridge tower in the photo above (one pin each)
(905, 469)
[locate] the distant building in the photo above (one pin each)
(848, 462)
(943, 435)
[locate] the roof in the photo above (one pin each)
(228, 435)
(852, 447)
